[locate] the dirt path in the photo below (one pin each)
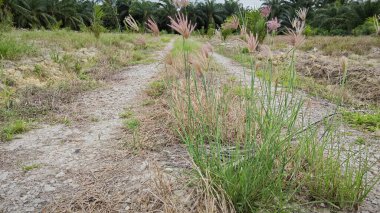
(81, 166)
(315, 110)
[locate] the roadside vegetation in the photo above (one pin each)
(251, 146)
(253, 141)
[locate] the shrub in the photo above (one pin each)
(338, 32)
(210, 32)
(6, 21)
(226, 33)
(156, 89)
(367, 28)
(256, 24)
(132, 124)
(309, 31)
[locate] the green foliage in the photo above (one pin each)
(96, 27)
(56, 26)
(128, 113)
(40, 71)
(6, 94)
(345, 17)
(334, 18)
(367, 121)
(210, 32)
(6, 20)
(309, 31)
(248, 143)
(367, 28)
(30, 167)
(12, 128)
(256, 24)
(12, 49)
(156, 89)
(132, 124)
(360, 141)
(190, 46)
(226, 33)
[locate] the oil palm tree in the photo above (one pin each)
(141, 10)
(31, 13)
(165, 9)
(123, 9)
(214, 12)
(111, 17)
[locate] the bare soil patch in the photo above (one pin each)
(83, 166)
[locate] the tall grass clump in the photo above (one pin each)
(12, 49)
(253, 143)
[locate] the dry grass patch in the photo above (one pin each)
(342, 45)
(63, 64)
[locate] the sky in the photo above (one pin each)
(246, 3)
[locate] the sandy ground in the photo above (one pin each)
(83, 166)
(315, 110)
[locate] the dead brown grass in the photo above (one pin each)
(342, 45)
(97, 193)
(362, 84)
(173, 194)
(154, 131)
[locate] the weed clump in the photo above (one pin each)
(156, 89)
(30, 167)
(250, 141)
(13, 49)
(13, 128)
(366, 121)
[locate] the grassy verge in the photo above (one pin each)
(366, 121)
(339, 45)
(11, 48)
(280, 75)
(40, 70)
(251, 145)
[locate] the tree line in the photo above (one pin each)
(336, 17)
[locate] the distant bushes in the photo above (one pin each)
(367, 28)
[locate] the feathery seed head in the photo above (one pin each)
(153, 27)
(343, 63)
(206, 49)
(252, 42)
(232, 24)
(243, 30)
(273, 25)
(265, 11)
(131, 23)
(266, 51)
(295, 39)
(302, 13)
(182, 25)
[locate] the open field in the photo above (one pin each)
(137, 123)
